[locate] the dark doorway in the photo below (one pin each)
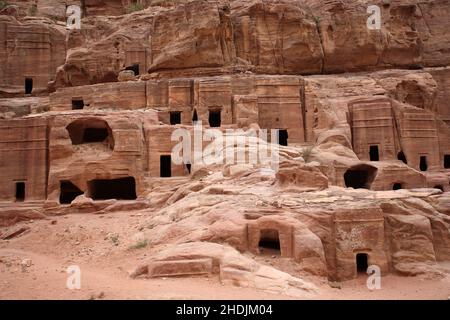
(283, 137)
(194, 116)
(77, 104)
(20, 191)
(401, 156)
(269, 242)
(165, 166)
(120, 189)
(374, 153)
(362, 262)
(188, 167)
(423, 163)
(95, 135)
(135, 68)
(68, 192)
(439, 187)
(447, 161)
(90, 130)
(360, 176)
(214, 118)
(175, 117)
(397, 186)
(28, 85)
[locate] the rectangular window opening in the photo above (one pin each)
(20, 191)
(165, 166)
(175, 117)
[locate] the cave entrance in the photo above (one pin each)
(447, 161)
(77, 104)
(188, 167)
(95, 135)
(374, 153)
(165, 166)
(194, 116)
(439, 187)
(90, 130)
(423, 163)
(397, 186)
(362, 262)
(283, 137)
(360, 176)
(28, 85)
(68, 192)
(401, 156)
(269, 242)
(20, 191)
(215, 118)
(175, 117)
(134, 67)
(119, 189)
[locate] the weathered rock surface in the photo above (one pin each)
(359, 175)
(233, 268)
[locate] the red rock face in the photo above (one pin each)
(90, 119)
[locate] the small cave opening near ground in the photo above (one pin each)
(360, 176)
(423, 166)
(447, 161)
(374, 153)
(397, 186)
(269, 242)
(165, 166)
(68, 192)
(119, 189)
(20, 191)
(90, 130)
(283, 137)
(28, 85)
(362, 262)
(134, 67)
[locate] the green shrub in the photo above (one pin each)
(307, 152)
(114, 237)
(133, 7)
(140, 244)
(32, 11)
(3, 4)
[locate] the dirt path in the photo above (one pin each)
(50, 247)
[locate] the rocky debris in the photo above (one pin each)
(25, 264)
(362, 177)
(232, 267)
(16, 233)
(303, 177)
(126, 75)
(335, 285)
(97, 296)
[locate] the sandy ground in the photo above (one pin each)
(33, 266)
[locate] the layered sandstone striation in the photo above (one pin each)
(89, 116)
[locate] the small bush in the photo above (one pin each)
(307, 152)
(3, 4)
(114, 239)
(140, 244)
(32, 11)
(317, 20)
(133, 7)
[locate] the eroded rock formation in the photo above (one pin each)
(87, 119)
